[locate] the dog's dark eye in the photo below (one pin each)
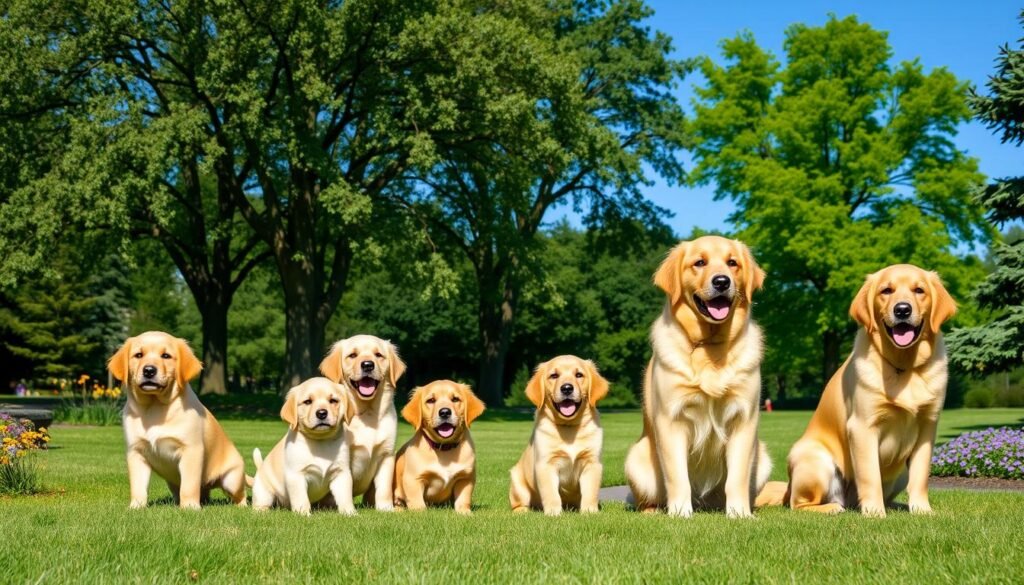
(456, 399)
(919, 290)
(887, 291)
(431, 400)
(333, 400)
(700, 263)
(165, 355)
(308, 401)
(138, 356)
(378, 354)
(553, 376)
(732, 263)
(352, 355)
(579, 374)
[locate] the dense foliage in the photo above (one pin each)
(999, 345)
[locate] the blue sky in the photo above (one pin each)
(962, 36)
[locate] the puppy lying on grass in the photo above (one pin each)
(312, 460)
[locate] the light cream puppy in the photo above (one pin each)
(699, 446)
(312, 459)
(873, 431)
(369, 368)
(167, 430)
(438, 464)
(561, 467)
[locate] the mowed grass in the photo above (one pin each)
(84, 532)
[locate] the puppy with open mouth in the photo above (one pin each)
(369, 368)
(312, 460)
(873, 431)
(438, 464)
(167, 429)
(561, 467)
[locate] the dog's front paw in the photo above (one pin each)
(873, 510)
(680, 510)
(921, 508)
(738, 512)
(347, 511)
(190, 506)
(385, 507)
(553, 511)
(303, 511)
(464, 511)
(588, 510)
(137, 505)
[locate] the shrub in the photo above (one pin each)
(979, 398)
(101, 407)
(989, 453)
(18, 473)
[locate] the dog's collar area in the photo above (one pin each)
(440, 446)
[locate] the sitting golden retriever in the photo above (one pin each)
(369, 368)
(702, 387)
(562, 463)
(167, 429)
(311, 460)
(873, 431)
(438, 464)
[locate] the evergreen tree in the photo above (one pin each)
(999, 345)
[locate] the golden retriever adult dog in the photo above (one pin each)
(438, 464)
(312, 459)
(873, 431)
(369, 368)
(167, 429)
(562, 464)
(702, 387)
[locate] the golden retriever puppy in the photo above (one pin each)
(312, 460)
(369, 368)
(562, 463)
(167, 429)
(438, 464)
(873, 431)
(702, 387)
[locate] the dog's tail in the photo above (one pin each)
(773, 494)
(257, 458)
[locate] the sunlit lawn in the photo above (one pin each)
(83, 531)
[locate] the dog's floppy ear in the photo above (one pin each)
(943, 305)
(668, 274)
(118, 363)
(289, 412)
(330, 367)
(535, 387)
(396, 367)
(348, 401)
(189, 365)
(412, 412)
(863, 307)
(753, 275)
(474, 406)
(598, 385)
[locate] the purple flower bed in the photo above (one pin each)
(989, 453)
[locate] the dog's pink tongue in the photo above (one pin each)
(718, 308)
(367, 386)
(903, 334)
(567, 407)
(446, 430)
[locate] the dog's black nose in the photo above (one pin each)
(567, 389)
(445, 413)
(902, 310)
(149, 371)
(367, 366)
(321, 414)
(721, 282)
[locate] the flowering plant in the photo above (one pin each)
(19, 437)
(988, 453)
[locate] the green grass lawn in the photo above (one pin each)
(85, 532)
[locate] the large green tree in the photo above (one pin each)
(296, 115)
(597, 114)
(998, 346)
(839, 163)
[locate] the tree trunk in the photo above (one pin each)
(214, 379)
(496, 318)
(830, 355)
(304, 333)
